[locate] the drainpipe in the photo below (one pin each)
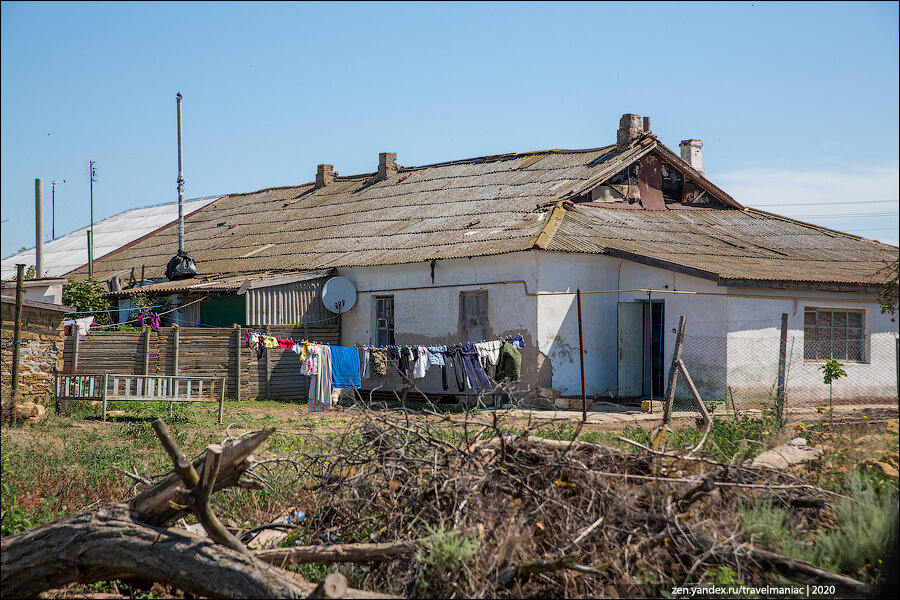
(20, 272)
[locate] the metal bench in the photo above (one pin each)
(109, 387)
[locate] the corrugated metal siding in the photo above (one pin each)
(287, 304)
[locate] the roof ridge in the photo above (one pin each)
(556, 218)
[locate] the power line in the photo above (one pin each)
(826, 203)
(846, 215)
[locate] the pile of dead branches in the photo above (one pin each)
(547, 518)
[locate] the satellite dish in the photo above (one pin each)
(339, 294)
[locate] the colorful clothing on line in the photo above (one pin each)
(475, 374)
(320, 384)
(269, 341)
(345, 367)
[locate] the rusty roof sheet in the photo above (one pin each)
(219, 283)
(727, 245)
(487, 206)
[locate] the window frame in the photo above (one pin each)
(836, 334)
(383, 334)
(474, 325)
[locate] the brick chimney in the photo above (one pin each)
(324, 175)
(629, 131)
(387, 164)
(692, 155)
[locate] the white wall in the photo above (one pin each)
(753, 338)
(558, 316)
(731, 341)
(427, 313)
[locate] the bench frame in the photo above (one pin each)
(111, 387)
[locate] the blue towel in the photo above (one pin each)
(345, 367)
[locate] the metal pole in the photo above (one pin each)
(38, 228)
(581, 354)
(180, 179)
(20, 272)
(53, 185)
(91, 235)
(90, 248)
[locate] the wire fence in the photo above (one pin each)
(740, 370)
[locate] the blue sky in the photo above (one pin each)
(797, 104)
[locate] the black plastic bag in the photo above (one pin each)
(181, 266)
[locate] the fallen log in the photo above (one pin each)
(111, 543)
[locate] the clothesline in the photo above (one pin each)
(340, 367)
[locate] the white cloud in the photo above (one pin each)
(861, 200)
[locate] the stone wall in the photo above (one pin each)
(40, 352)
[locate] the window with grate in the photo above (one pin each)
(473, 315)
(833, 333)
(384, 320)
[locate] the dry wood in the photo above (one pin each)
(333, 586)
(155, 504)
(355, 553)
(110, 543)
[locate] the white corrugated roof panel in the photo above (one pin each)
(68, 252)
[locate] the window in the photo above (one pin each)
(384, 320)
(473, 316)
(833, 333)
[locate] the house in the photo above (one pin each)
(498, 245)
(68, 252)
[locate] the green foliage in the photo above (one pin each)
(13, 519)
(887, 297)
(87, 297)
(832, 370)
(444, 552)
(859, 537)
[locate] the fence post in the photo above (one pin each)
(267, 329)
(75, 338)
(237, 362)
(782, 362)
(222, 401)
(673, 371)
(146, 350)
(177, 342)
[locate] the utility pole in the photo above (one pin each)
(53, 185)
(180, 180)
(93, 175)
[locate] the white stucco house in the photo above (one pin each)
(498, 245)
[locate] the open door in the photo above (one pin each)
(630, 356)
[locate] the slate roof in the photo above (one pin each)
(495, 205)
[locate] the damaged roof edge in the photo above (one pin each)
(700, 179)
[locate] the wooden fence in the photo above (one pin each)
(210, 352)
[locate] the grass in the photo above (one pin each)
(850, 540)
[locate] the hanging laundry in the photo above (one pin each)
(475, 374)
(406, 361)
(345, 367)
(517, 340)
(422, 363)
(247, 337)
(285, 344)
(378, 358)
(83, 324)
(364, 368)
(310, 365)
(269, 341)
(320, 385)
(436, 355)
(489, 352)
(509, 363)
